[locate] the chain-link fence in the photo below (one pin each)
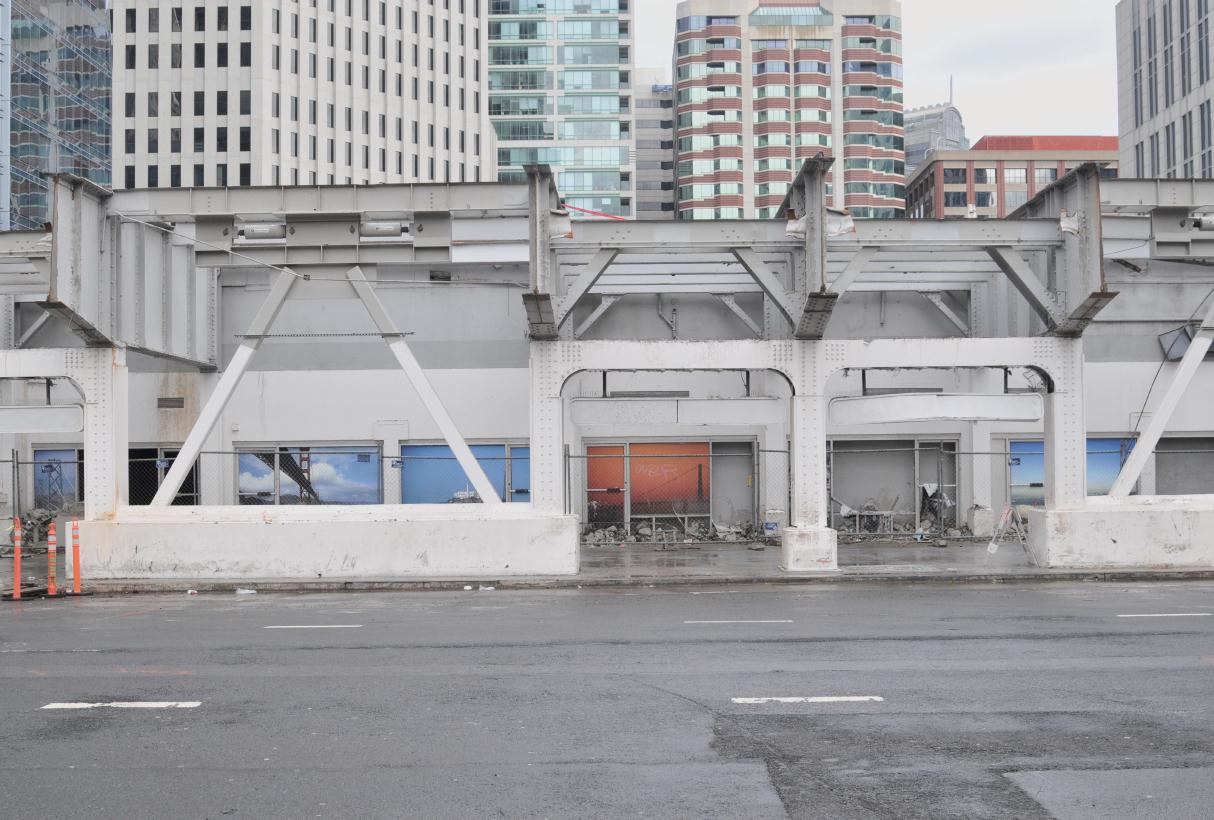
(894, 488)
(48, 489)
(422, 474)
(678, 493)
(622, 492)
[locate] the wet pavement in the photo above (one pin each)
(935, 701)
(709, 560)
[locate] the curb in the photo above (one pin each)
(133, 587)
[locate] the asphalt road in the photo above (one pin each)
(994, 701)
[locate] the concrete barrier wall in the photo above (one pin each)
(1141, 532)
(368, 543)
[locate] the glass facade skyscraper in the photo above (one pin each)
(57, 73)
(560, 83)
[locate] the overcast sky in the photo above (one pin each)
(1022, 67)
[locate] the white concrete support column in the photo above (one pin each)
(1066, 472)
(975, 469)
(101, 374)
(547, 430)
(775, 486)
(809, 544)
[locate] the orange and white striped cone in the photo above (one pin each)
(16, 558)
(75, 557)
(52, 569)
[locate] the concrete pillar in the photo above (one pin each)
(547, 430)
(775, 472)
(809, 544)
(975, 469)
(1066, 475)
(102, 375)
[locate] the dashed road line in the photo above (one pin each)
(1169, 615)
(737, 622)
(819, 699)
(129, 704)
(315, 626)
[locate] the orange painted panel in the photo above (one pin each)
(605, 484)
(669, 477)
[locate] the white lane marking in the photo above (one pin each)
(316, 626)
(716, 592)
(835, 699)
(1171, 615)
(18, 651)
(737, 622)
(129, 704)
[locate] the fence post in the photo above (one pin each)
(52, 570)
(16, 558)
(75, 556)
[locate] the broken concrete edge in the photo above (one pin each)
(170, 587)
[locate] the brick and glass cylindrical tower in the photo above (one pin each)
(763, 85)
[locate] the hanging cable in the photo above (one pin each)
(1166, 358)
(198, 241)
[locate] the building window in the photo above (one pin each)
(310, 475)
(1015, 176)
(148, 465)
(954, 176)
(59, 480)
(1045, 176)
(430, 474)
(955, 199)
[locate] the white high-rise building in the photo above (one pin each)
(1165, 93)
(278, 92)
(653, 100)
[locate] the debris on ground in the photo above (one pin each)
(487, 589)
(243, 591)
(191, 592)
